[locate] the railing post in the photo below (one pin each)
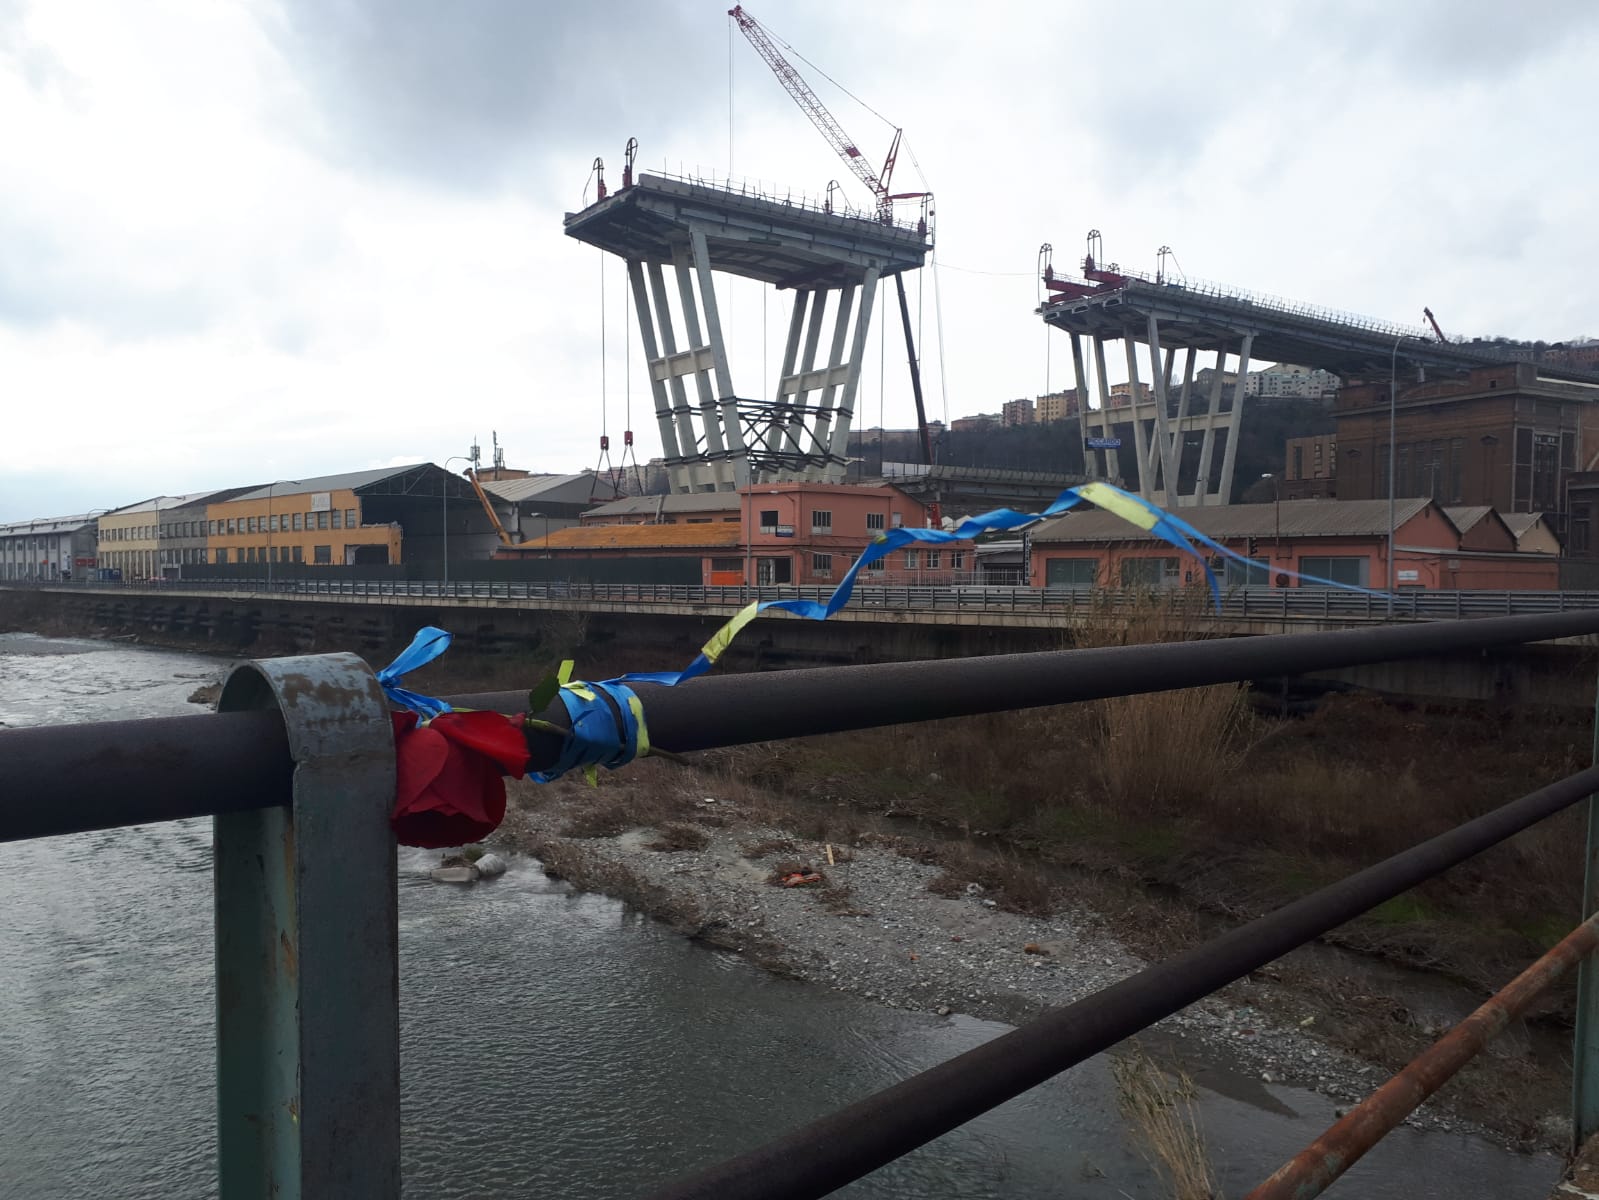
(1585, 1044)
(307, 948)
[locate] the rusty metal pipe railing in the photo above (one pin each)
(66, 779)
(1315, 1168)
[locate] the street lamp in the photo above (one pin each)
(444, 510)
(1393, 388)
(1276, 520)
(270, 486)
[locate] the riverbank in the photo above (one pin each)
(913, 920)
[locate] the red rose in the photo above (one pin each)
(449, 785)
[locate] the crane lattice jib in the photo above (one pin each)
(808, 101)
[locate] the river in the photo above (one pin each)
(555, 1044)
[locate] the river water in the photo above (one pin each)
(555, 1044)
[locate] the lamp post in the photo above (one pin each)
(444, 511)
(270, 486)
(1393, 388)
(1276, 520)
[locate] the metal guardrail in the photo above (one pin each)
(1244, 603)
(305, 880)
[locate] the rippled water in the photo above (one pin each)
(554, 1044)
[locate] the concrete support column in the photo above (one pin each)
(838, 447)
(1146, 487)
(1162, 431)
(700, 365)
(1180, 437)
(652, 360)
(732, 431)
(1236, 419)
(1112, 458)
(1080, 382)
(1213, 408)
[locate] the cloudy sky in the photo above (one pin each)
(264, 239)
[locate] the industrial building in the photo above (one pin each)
(1510, 437)
(51, 548)
(1310, 468)
(1339, 540)
(773, 534)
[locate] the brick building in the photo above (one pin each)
(1018, 412)
(1502, 436)
(1310, 468)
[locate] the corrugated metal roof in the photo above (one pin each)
(329, 483)
(680, 502)
(1467, 516)
(45, 525)
(158, 504)
(1292, 518)
(639, 537)
(516, 490)
(1520, 522)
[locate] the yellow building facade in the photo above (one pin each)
(129, 539)
(297, 524)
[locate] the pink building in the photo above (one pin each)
(1342, 540)
(769, 534)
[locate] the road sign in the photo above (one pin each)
(1103, 443)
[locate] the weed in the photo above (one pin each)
(1161, 1109)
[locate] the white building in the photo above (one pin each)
(1285, 381)
(50, 548)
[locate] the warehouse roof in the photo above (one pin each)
(1290, 518)
(637, 537)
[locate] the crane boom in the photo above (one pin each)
(812, 106)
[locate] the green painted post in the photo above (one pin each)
(307, 949)
(1585, 1046)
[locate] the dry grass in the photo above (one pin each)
(1161, 1110)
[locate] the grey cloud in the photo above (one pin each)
(468, 94)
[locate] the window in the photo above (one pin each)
(272, 523)
(322, 519)
(895, 520)
(913, 560)
(338, 518)
(255, 525)
(1256, 574)
(296, 521)
(934, 559)
(322, 554)
(877, 564)
(724, 565)
(233, 526)
(350, 521)
(957, 560)
(690, 521)
(1351, 570)
(1150, 572)
(768, 520)
(822, 564)
(821, 521)
(299, 555)
(222, 555)
(874, 522)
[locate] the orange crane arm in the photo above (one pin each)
(1433, 321)
(488, 507)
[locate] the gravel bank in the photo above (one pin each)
(871, 927)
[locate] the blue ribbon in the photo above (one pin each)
(596, 738)
(428, 644)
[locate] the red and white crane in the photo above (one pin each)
(812, 106)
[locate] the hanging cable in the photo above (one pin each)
(604, 463)
(938, 321)
(730, 96)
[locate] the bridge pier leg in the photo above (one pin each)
(307, 948)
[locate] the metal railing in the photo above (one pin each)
(297, 768)
(1247, 603)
